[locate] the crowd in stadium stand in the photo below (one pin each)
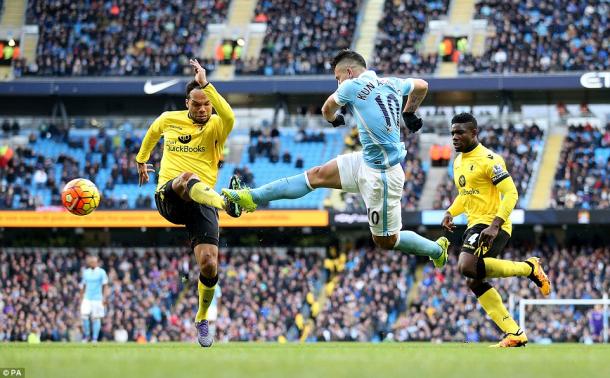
(563, 35)
(519, 147)
(583, 178)
(446, 310)
(40, 293)
(28, 169)
(400, 34)
(370, 292)
(119, 38)
(147, 38)
(302, 37)
(261, 294)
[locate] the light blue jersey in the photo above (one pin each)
(94, 280)
(376, 103)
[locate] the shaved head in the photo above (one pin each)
(348, 58)
(348, 64)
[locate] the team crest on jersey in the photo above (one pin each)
(184, 139)
(462, 181)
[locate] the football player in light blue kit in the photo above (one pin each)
(375, 172)
(93, 296)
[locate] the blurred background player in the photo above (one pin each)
(487, 194)
(93, 294)
(193, 147)
(375, 172)
(213, 310)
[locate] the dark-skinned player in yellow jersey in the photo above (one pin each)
(192, 149)
(487, 195)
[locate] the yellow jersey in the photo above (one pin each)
(485, 188)
(189, 146)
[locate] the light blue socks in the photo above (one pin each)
(86, 328)
(284, 188)
(97, 325)
(414, 244)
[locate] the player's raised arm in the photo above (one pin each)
(417, 93)
(153, 134)
(222, 107)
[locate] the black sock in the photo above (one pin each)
(481, 288)
(531, 266)
(481, 268)
(209, 282)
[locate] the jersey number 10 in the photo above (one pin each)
(391, 113)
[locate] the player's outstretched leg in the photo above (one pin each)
(531, 268)
(538, 276)
(285, 188)
(233, 209)
(188, 186)
(414, 244)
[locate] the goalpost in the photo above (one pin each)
(605, 302)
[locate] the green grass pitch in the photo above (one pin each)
(108, 360)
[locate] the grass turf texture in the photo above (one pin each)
(306, 360)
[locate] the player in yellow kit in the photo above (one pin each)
(487, 194)
(192, 148)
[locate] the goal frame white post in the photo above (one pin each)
(605, 302)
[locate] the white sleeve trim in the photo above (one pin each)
(412, 85)
(336, 98)
(307, 181)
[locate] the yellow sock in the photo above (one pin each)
(493, 306)
(205, 299)
(203, 194)
(496, 268)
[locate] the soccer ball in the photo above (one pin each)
(80, 196)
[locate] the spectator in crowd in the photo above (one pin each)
(123, 38)
(299, 162)
(290, 48)
(582, 179)
(263, 293)
(543, 36)
(401, 29)
(358, 310)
